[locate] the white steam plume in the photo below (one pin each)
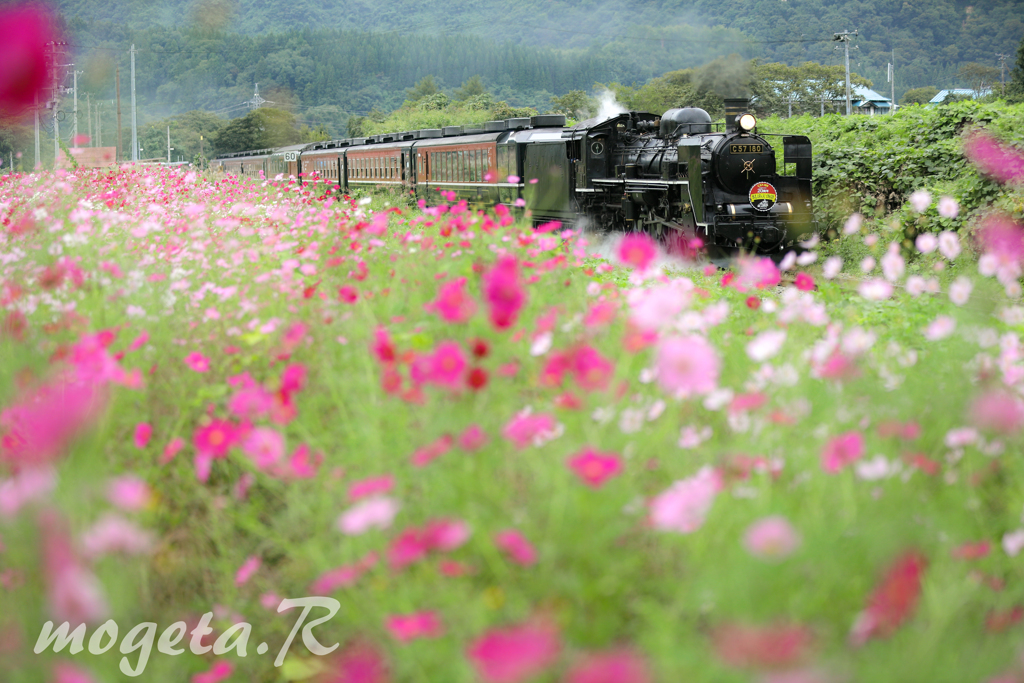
(608, 106)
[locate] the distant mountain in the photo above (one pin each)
(931, 37)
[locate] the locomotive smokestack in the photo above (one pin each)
(734, 106)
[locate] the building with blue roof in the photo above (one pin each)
(958, 92)
(867, 101)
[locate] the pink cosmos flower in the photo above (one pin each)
(406, 627)
(778, 646)
(293, 379)
(654, 308)
(591, 370)
(875, 290)
(687, 366)
(370, 486)
(841, 451)
(383, 348)
(264, 446)
(453, 303)
(528, 428)
(515, 545)
(432, 451)
(683, 507)
(129, 493)
(993, 158)
(359, 662)
(766, 345)
(893, 265)
(410, 546)
(39, 426)
(804, 282)
(25, 487)
(143, 431)
(595, 468)
(348, 294)
(172, 449)
(921, 200)
(637, 250)
(997, 411)
(139, 341)
(758, 273)
(504, 293)
(960, 291)
(949, 244)
(115, 534)
(948, 207)
(614, 666)
(28, 30)
(66, 673)
(251, 403)
(926, 242)
(1002, 237)
(372, 513)
(220, 671)
(447, 365)
(853, 224)
(197, 362)
(446, 535)
(893, 600)
(342, 577)
(943, 326)
(302, 464)
(473, 439)
(215, 439)
(771, 538)
(74, 593)
(832, 267)
(515, 654)
(248, 568)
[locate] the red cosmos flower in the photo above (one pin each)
(477, 379)
(479, 348)
(971, 551)
(26, 31)
(753, 302)
(638, 250)
(892, 601)
(504, 292)
(595, 468)
(515, 654)
(383, 348)
(773, 646)
(371, 486)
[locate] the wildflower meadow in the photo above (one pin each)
(494, 453)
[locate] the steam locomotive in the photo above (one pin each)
(677, 176)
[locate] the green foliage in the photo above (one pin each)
(471, 88)
(574, 104)
(259, 129)
(979, 77)
(1015, 89)
(424, 88)
(919, 95)
(871, 164)
(186, 130)
(781, 89)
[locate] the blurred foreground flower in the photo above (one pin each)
(893, 599)
(26, 31)
(617, 666)
(993, 158)
(515, 654)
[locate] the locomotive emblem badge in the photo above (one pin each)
(763, 196)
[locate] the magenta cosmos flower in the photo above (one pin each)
(637, 250)
(515, 654)
(24, 76)
(504, 292)
(842, 450)
(595, 468)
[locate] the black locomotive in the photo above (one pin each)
(677, 176)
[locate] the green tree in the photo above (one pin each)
(1015, 89)
(424, 88)
(574, 104)
(919, 95)
(474, 86)
(259, 129)
(978, 77)
(810, 87)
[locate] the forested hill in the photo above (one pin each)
(931, 37)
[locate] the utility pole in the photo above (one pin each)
(99, 127)
(135, 131)
(169, 148)
(88, 116)
(74, 136)
(1002, 70)
(844, 38)
(120, 147)
(892, 80)
(36, 112)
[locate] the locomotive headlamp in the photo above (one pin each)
(746, 122)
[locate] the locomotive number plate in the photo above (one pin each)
(291, 156)
(746, 149)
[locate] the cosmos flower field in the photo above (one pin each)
(506, 458)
